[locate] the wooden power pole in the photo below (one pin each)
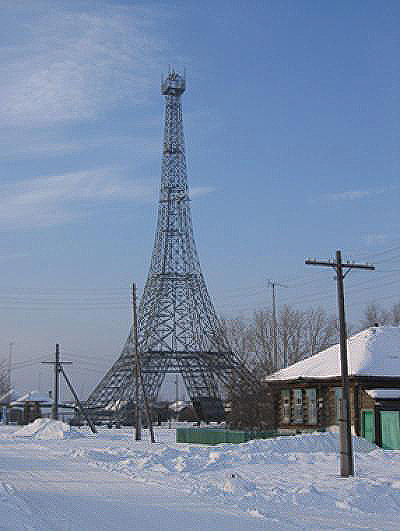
(346, 451)
(138, 415)
(56, 388)
(273, 285)
(59, 369)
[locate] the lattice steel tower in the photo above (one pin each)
(178, 328)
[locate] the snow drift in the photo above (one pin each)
(48, 429)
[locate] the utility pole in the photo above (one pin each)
(58, 368)
(138, 415)
(176, 390)
(346, 451)
(56, 390)
(272, 284)
(56, 387)
(9, 381)
(139, 375)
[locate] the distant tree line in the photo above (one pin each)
(300, 334)
(375, 314)
(3, 377)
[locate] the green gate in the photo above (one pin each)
(368, 425)
(390, 425)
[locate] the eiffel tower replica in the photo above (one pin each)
(178, 329)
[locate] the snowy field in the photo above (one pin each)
(56, 480)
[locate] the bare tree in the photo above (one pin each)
(290, 336)
(320, 331)
(396, 314)
(238, 333)
(4, 383)
(374, 314)
(300, 334)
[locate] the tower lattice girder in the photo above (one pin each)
(178, 329)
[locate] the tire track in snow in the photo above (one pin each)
(29, 509)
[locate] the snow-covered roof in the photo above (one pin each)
(9, 396)
(372, 352)
(384, 393)
(34, 396)
(178, 406)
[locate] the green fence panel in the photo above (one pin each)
(368, 425)
(390, 425)
(218, 436)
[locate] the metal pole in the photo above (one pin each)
(54, 412)
(346, 451)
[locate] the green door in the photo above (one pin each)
(368, 425)
(390, 424)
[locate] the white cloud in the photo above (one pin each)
(45, 201)
(37, 146)
(57, 199)
(376, 238)
(69, 64)
(349, 196)
(199, 191)
(12, 256)
(352, 195)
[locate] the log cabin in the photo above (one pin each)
(307, 395)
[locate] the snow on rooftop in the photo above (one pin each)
(9, 396)
(179, 405)
(384, 393)
(34, 396)
(372, 352)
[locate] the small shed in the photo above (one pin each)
(307, 395)
(5, 400)
(27, 407)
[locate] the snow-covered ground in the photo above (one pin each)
(54, 480)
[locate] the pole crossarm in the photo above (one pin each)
(347, 265)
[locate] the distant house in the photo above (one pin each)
(308, 394)
(28, 407)
(5, 399)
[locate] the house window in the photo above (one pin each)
(338, 403)
(311, 395)
(285, 405)
(298, 416)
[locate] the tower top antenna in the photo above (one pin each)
(174, 84)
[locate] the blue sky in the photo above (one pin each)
(292, 124)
